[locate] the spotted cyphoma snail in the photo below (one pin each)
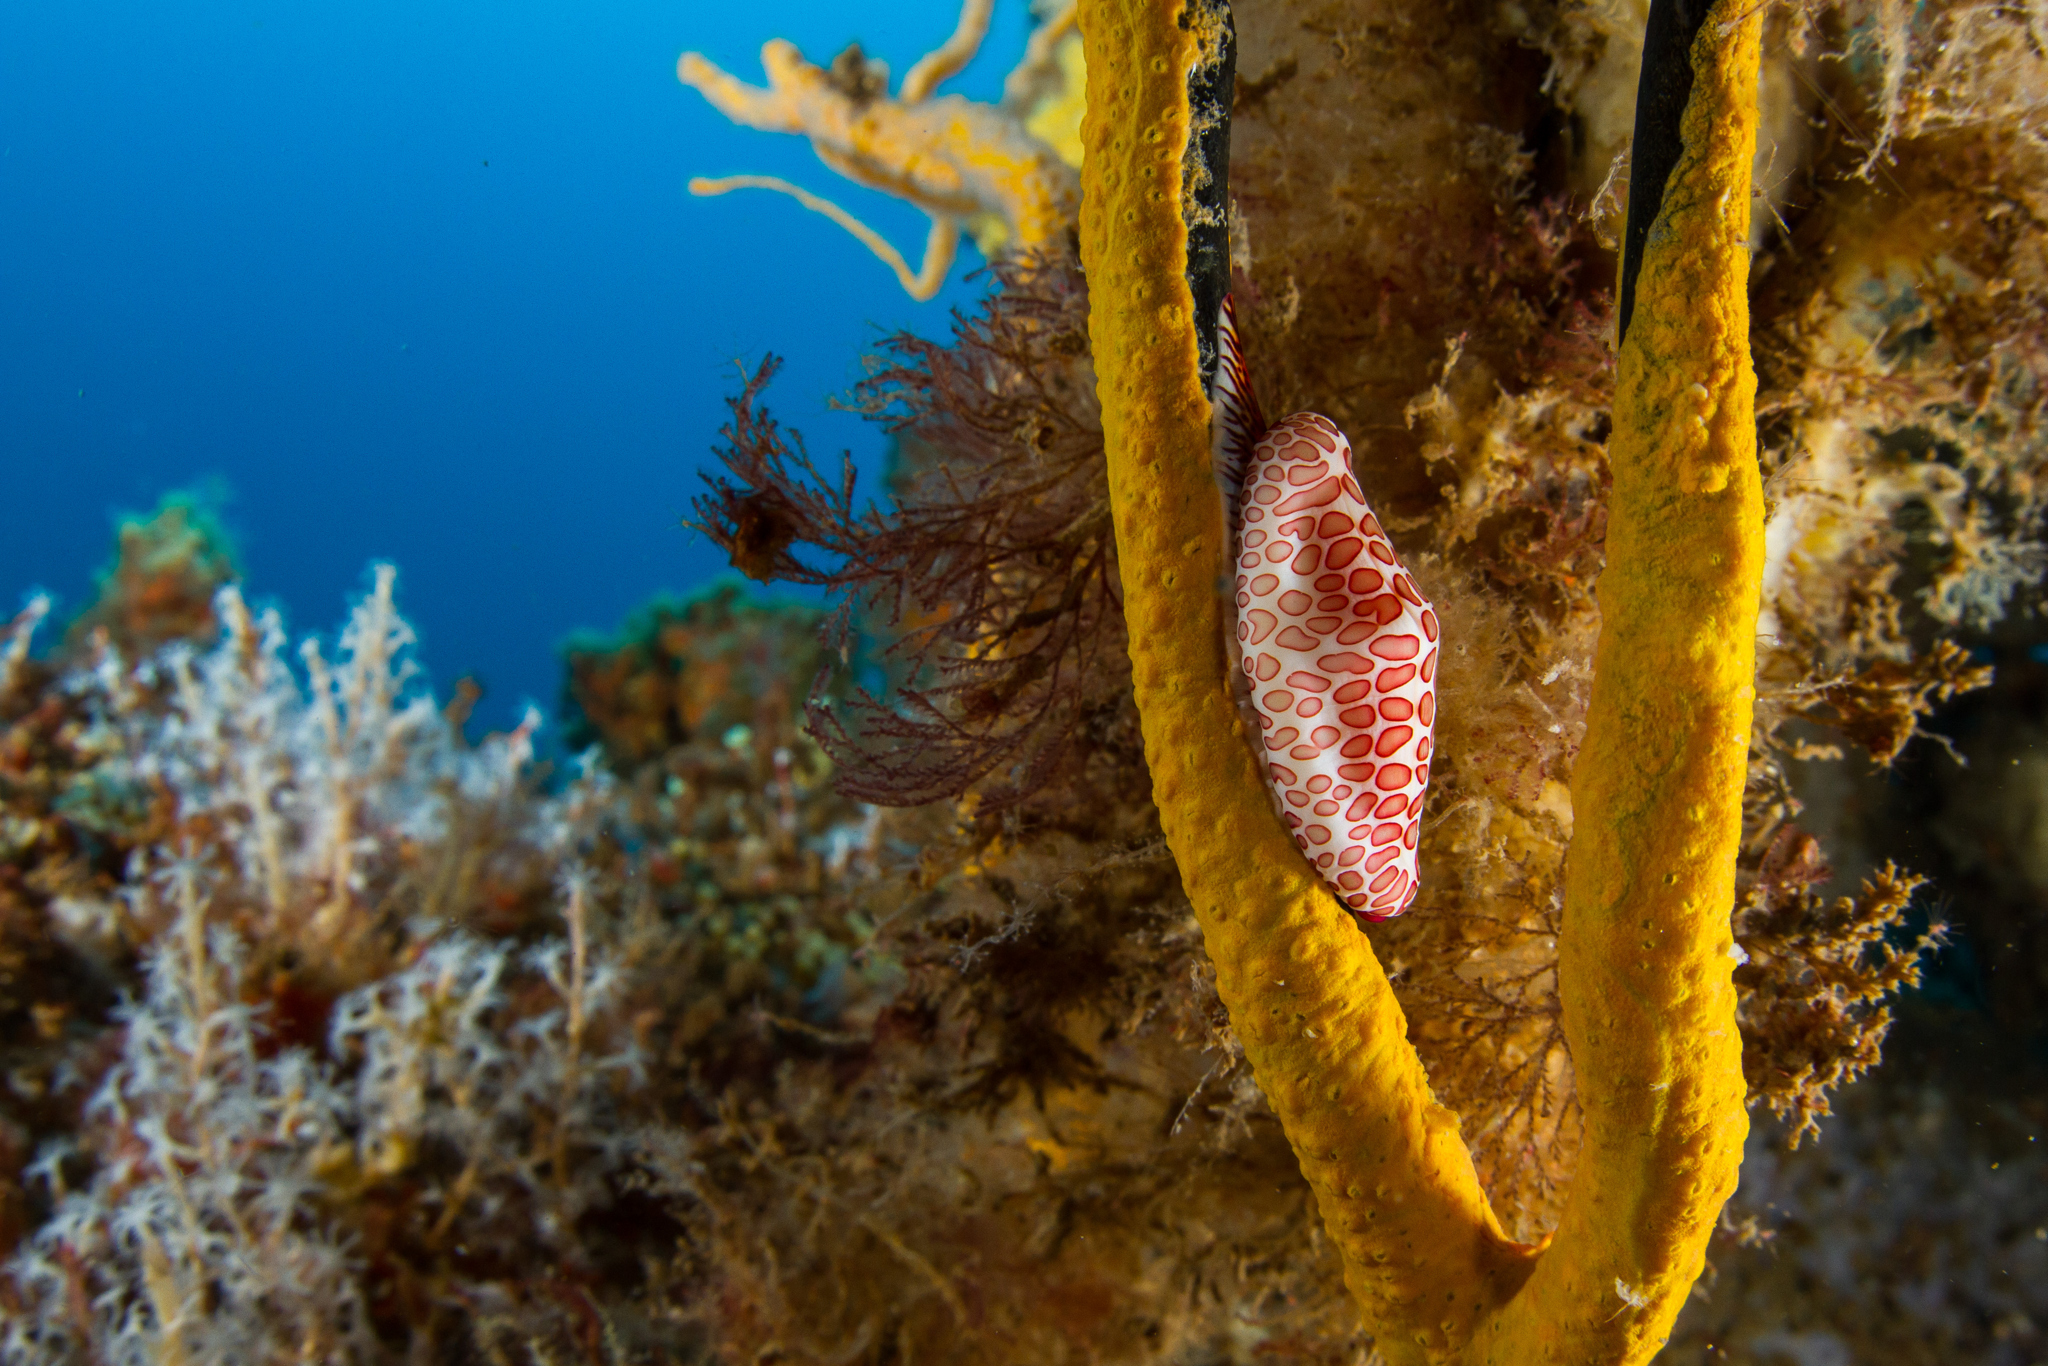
(1337, 644)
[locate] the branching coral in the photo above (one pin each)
(201, 1238)
(993, 576)
(382, 1091)
(20, 634)
(521, 1100)
(222, 1134)
(982, 167)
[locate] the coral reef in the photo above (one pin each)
(397, 1012)
(328, 1035)
(626, 1072)
(1400, 222)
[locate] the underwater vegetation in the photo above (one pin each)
(845, 1000)
(690, 668)
(1495, 300)
(332, 1037)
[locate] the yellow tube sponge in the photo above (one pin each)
(1422, 1250)
(1649, 1005)
(966, 164)
(1646, 960)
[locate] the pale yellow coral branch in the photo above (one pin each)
(945, 60)
(939, 246)
(771, 111)
(966, 164)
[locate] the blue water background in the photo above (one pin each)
(420, 283)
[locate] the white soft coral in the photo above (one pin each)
(211, 1226)
(201, 1237)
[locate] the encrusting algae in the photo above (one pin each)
(859, 994)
